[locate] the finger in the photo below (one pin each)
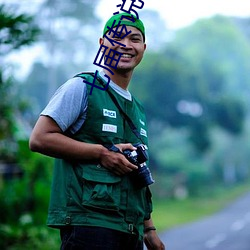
(124, 146)
(123, 169)
(129, 166)
(130, 146)
(126, 164)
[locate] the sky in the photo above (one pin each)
(176, 14)
(181, 13)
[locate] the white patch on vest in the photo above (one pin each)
(142, 122)
(109, 113)
(109, 128)
(143, 132)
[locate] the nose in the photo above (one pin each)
(126, 41)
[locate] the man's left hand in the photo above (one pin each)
(152, 241)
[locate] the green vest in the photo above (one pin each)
(86, 193)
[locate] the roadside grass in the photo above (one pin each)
(170, 213)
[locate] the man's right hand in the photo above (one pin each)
(115, 162)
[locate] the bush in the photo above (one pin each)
(24, 204)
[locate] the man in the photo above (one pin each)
(95, 202)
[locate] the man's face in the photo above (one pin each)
(132, 53)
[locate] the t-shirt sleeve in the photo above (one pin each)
(68, 105)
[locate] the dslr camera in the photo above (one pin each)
(142, 176)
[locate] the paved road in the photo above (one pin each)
(226, 230)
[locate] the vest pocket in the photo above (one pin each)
(101, 188)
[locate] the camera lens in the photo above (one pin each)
(144, 176)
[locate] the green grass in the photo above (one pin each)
(170, 213)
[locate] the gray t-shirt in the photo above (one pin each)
(68, 106)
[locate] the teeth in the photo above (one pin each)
(126, 56)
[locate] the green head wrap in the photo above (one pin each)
(137, 23)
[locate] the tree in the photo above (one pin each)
(16, 31)
(68, 30)
(243, 24)
(186, 83)
(195, 92)
(217, 45)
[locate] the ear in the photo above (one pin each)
(101, 40)
(145, 46)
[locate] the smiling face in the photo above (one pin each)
(131, 54)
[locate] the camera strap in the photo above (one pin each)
(125, 116)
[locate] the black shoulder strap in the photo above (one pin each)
(126, 117)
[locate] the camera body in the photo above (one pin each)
(142, 177)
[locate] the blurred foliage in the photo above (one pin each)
(7, 126)
(68, 47)
(199, 80)
(196, 94)
(24, 235)
(24, 203)
(6, 108)
(39, 79)
(229, 113)
(15, 30)
(68, 29)
(24, 197)
(195, 90)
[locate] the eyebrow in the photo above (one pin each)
(130, 34)
(136, 34)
